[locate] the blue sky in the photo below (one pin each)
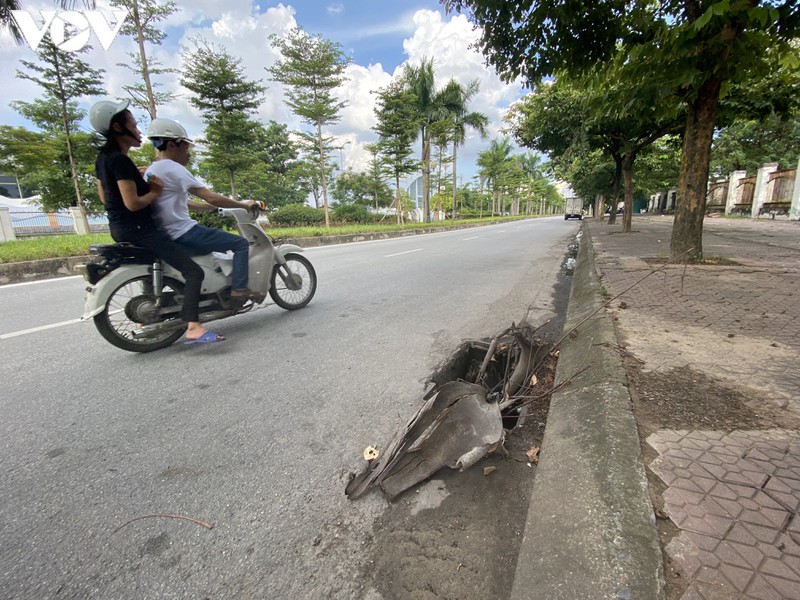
(380, 36)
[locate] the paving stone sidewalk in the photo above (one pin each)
(734, 495)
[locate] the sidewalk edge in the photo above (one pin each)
(590, 531)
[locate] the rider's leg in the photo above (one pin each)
(201, 240)
(179, 257)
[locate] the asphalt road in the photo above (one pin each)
(255, 435)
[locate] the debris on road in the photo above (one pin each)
(463, 420)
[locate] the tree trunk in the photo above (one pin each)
(455, 189)
(599, 206)
(151, 102)
(397, 197)
(73, 167)
(612, 215)
(627, 176)
(426, 177)
(323, 179)
(687, 232)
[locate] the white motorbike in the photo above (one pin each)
(135, 298)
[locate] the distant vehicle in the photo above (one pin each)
(573, 207)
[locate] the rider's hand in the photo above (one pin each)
(155, 183)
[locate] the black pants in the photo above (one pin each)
(171, 253)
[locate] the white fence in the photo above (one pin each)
(770, 192)
(25, 222)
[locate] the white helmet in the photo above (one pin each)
(102, 112)
(167, 129)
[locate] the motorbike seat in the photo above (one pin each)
(123, 252)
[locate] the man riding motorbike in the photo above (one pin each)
(171, 208)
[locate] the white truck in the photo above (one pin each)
(573, 207)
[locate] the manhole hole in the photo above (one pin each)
(481, 394)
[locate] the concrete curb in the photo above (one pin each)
(590, 531)
(33, 270)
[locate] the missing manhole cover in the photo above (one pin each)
(481, 394)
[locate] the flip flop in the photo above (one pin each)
(207, 338)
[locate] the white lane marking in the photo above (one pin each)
(5, 336)
(38, 281)
(475, 237)
(401, 253)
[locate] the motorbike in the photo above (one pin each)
(135, 299)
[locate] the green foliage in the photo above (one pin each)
(311, 68)
(51, 246)
(431, 105)
(64, 77)
(351, 213)
(41, 163)
(217, 82)
(361, 188)
(747, 144)
(297, 215)
(397, 129)
(226, 99)
(213, 219)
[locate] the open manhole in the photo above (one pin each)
(480, 396)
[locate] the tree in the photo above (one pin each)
(377, 171)
(7, 19)
(395, 110)
(689, 51)
(494, 164)
(747, 144)
(311, 68)
(431, 106)
(226, 98)
(361, 189)
(462, 118)
(40, 163)
(64, 78)
(140, 26)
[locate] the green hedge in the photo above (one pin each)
(297, 215)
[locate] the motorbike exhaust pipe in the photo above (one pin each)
(148, 331)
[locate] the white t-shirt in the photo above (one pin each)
(170, 209)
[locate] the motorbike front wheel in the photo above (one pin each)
(293, 284)
(132, 305)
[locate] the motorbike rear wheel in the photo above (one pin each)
(133, 304)
(294, 284)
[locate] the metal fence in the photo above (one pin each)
(36, 222)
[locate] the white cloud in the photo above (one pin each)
(335, 9)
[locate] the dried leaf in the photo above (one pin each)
(534, 380)
(371, 453)
(489, 470)
(533, 454)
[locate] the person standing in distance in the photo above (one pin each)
(128, 199)
(171, 208)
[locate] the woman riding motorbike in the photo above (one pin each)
(128, 198)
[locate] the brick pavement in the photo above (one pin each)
(734, 495)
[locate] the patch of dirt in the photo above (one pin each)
(457, 536)
(711, 261)
(682, 398)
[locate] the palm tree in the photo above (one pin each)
(7, 19)
(494, 164)
(463, 119)
(431, 106)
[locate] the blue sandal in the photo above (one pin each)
(207, 338)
